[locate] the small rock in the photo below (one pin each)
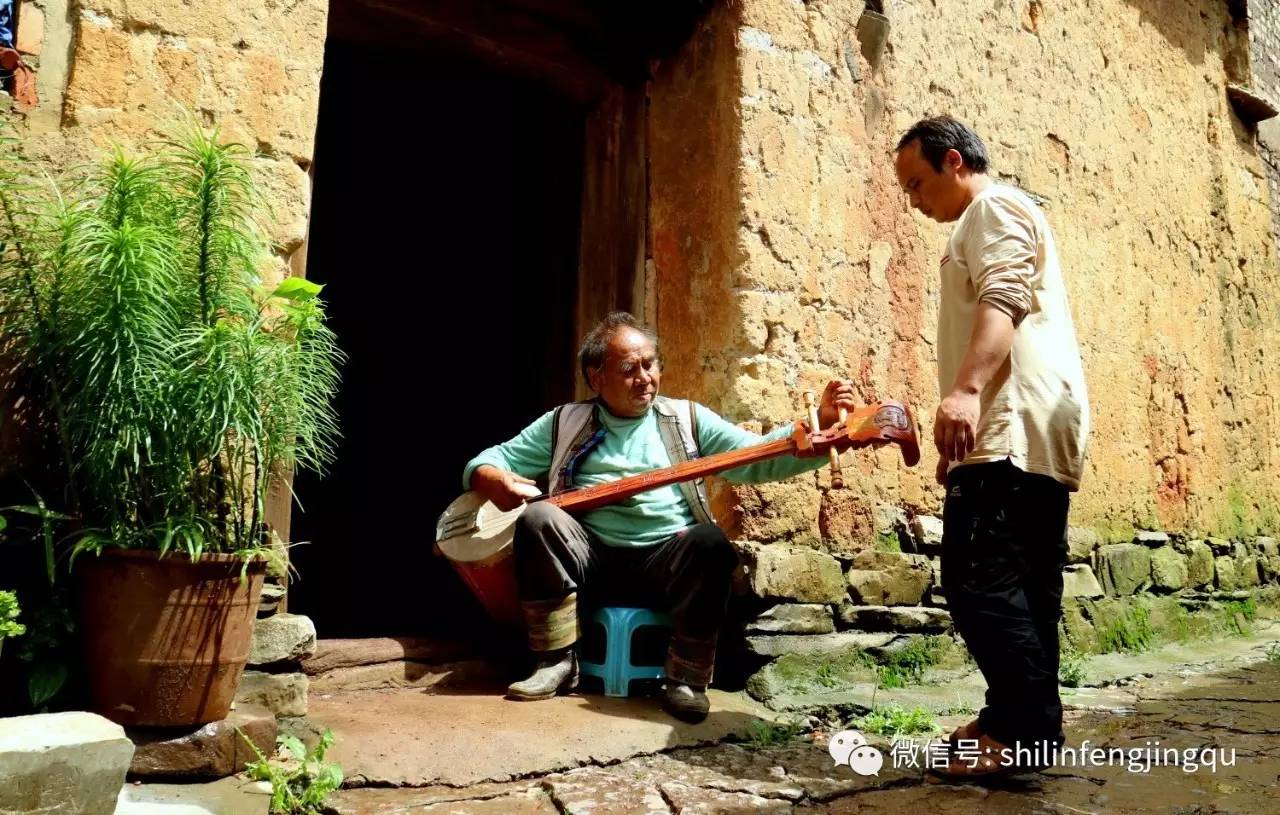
(776, 572)
(1168, 569)
(282, 638)
(889, 579)
(282, 694)
(793, 618)
(301, 728)
(1247, 571)
(1199, 564)
(888, 519)
(1224, 568)
(1081, 544)
(1124, 568)
(1148, 537)
(914, 619)
(927, 531)
(272, 594)
(1220, 546)
(214, 750)
(818, 644)
(1078, 580)
(62, 764)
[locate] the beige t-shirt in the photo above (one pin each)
(1035, 411)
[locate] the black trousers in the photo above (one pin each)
(1004, 546)
(689, 574)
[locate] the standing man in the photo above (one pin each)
(1011, 432)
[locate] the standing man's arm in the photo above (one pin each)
(1000, 254)
(956, 426)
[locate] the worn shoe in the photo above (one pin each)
(685, 702)
(552, 675)
(965, 732)
(991, 761)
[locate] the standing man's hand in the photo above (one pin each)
(837, 394)
(955, 427)
(940, 474)
(504, 489)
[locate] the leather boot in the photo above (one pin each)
(685, 702)
(556, 672)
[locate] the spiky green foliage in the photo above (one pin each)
(176, 385)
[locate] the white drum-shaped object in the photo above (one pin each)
(476, 538)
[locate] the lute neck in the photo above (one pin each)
(589, 498)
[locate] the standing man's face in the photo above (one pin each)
(939, 195)
(628, 379)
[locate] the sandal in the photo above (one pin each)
(990, 761)
(965, 732)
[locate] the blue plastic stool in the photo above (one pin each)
(619, 625)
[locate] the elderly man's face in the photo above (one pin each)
(937, 194)
(627, 381)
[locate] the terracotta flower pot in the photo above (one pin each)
(166, 639)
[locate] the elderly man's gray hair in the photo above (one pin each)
(591, 352)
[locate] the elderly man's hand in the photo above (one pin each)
(838, 394)
(504, 489)
(955, 427)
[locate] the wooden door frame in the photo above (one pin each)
(612, 243)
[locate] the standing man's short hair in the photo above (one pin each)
(938, 134)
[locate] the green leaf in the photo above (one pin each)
(297, 288)
(3, 523)
(47, 678)
(294, 746)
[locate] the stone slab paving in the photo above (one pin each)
(408, 737)
(1232, 705)
(233, 795)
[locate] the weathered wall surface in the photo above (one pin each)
(1264, 52)
(117, 72)
(126, 72)
(783, 253)
(1112, 111)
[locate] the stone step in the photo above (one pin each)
(793, 618)
(914, 619)
(348, 653)
(816, 644)
(214, 750)
(407, 674)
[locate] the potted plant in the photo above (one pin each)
(177, 387)
(9, 625)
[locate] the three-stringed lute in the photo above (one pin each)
(476, 536)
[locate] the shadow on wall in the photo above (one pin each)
(1195, 27)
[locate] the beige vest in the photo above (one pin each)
(575, 423)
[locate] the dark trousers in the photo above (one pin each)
(1004, 546)
(688, 574)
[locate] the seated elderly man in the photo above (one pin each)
(661, 546)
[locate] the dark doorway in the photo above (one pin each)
(445, 228)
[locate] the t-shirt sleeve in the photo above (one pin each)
(528, 454)
(1000, 252)
(715, 435)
